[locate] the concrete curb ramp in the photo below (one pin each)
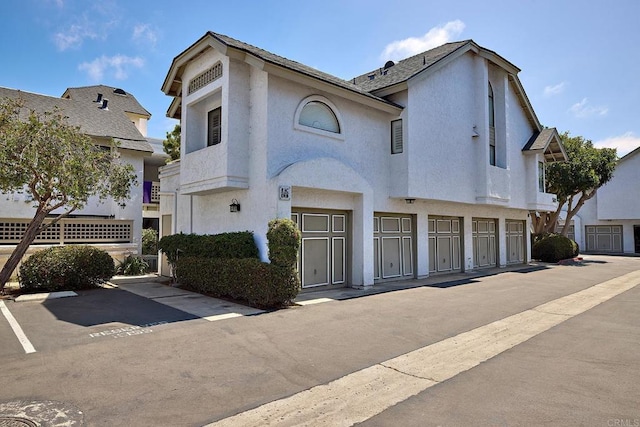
(363, 394)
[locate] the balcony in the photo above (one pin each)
(544, 202)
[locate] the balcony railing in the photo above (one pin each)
(70, 230)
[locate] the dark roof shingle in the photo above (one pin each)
(82, 110)
(406, 68)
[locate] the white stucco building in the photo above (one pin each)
(104, 113)
(427, 166)
(610, 221)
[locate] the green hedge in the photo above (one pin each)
(65, 268)
(248, 279)
(225, 245)
(237, 272)
(553, 248)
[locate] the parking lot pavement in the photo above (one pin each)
(95, 313)
(190, 302)
(193, 372)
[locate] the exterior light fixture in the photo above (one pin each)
(409, 201)
(234, 206)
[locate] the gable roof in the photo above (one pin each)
(404, 69)
(81, 110)
(546, 141)
(271, 62)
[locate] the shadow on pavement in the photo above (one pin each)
(102, 306)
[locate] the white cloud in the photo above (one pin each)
(74, 36)
(118, 66)
(582, 110)
(436, 36)
(550, 91)
(144, 34)
(625, 143)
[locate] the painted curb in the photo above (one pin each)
(45, 296)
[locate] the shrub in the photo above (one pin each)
(225, 245)
(553, 248)
(132, 266)
(149, 241)
(66, 268)
(284, 242)
(259, 284)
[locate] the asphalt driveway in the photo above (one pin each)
(189, 370)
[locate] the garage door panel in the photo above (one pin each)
(407, 256)
(391, 255)
(444, 254)
(315, 265)
(339, 254)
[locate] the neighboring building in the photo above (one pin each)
(427, 166)
(103, 113)
(610, 221)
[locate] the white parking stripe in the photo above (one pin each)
(26, 344)
(363, 394)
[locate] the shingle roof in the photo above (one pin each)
(82, 111)
(126, 102)
(548, 142)
(405, 69)
(280, 61)
(290, 64)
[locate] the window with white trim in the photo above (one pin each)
(318, 115)
(541, 177)
(397, 143)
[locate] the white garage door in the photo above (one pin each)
(515, 241)
(604, 238)
(322, 259)
(484, 242)
(444, 244)
(392, 246)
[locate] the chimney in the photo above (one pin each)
(99, 98)
(105, 101)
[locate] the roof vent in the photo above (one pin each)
(99, 98)
(389, 64)
(105, 101)
(424, 60)
(119, 91)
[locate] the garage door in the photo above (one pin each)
(604, 238)
(444, 244)
(392, 246)
(484, 242)
(322, 259)
(515, 241)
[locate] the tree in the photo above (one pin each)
(171, 145)
(575, 181)
(57, 166)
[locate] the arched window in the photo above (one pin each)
(492, 128)
(318, 115)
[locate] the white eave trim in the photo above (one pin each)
(327, 87)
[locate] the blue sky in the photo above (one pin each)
(580, 60)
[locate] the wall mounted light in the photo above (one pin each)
(234, 206)
(475, 133)
(409, 201)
